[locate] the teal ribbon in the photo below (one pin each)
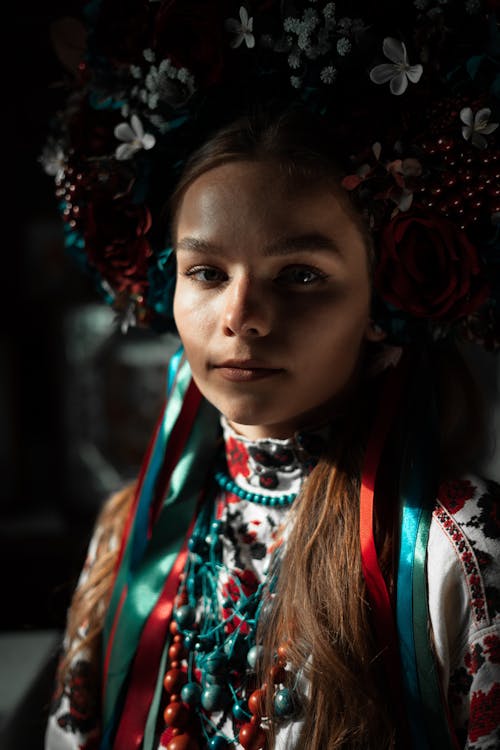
(427, 714)
(410, 519)
(147, 562)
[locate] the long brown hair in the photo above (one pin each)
(320, 606)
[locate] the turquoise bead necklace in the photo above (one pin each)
(221, 651)
(229, 485)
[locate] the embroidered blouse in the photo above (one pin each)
(463, 572)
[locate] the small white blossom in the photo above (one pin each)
(149, 55)
(399, 71)
(242, 29)
(291, 25)
(294, 60)
(343, 46)
(329, 11)
(304, 41)
(184, 75)
(53, 161)
(296, 82)
(421, 4)
(134, 138)
(328, 75)
(476, 127)
(135, 71)
(310, 19)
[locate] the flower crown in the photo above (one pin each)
(411, 89)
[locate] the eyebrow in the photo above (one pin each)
(283, 246)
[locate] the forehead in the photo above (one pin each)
(261, 197)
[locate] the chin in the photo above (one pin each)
(247, 412)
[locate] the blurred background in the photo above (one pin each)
(78, 398)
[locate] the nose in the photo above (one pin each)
(246, 311)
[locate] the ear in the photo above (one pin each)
(374, 332)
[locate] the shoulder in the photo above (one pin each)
(463, 559)
(468, 512)
(474, 504)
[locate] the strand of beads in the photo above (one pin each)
(179, 716)
(229, 485)
(215, 674)
(252, 735)
(212, 656)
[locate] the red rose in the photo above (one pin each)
(116, 243)
(191, 34)
(427, 267)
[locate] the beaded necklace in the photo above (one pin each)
(228, 484)
(211, 672)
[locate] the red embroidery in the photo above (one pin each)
(454, 494)
(469, 563)
(492, 650)
(474, 659)
(484, 712)
(237, 458)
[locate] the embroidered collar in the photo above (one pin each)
(270, 463)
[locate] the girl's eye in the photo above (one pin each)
(300, 275)
(206, 274)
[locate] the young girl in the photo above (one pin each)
(299, 563)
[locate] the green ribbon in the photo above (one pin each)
(143, 582)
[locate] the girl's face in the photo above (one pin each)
(272, 298)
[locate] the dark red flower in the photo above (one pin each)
(192, 34)
(117, 245)
(427, 267)
(454, 494)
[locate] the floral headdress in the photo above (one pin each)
(411, 89)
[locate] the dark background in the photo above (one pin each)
(68, 434)
(67, 374)
(68, 377)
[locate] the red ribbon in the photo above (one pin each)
(144, 670)
(378, 595)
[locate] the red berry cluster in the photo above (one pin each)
(468, 185)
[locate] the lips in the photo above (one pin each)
(245, 370)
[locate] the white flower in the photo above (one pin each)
(304, 41)
(476, 127)
(328, 75)
(399, 72)
(296, 82)
(242, 29)
(329, 11)
(134, 138)
(53, 161)
(343, 46)
(294, 60)
(291, 25)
